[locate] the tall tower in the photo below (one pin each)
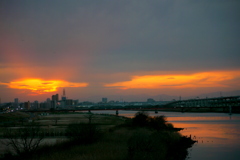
(64, 92)
(64, 95)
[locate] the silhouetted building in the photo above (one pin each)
(43, 105)
(54, 101)
(75, 102)
(112, 101)
(16, 103)
(27, 105)
(35, 105)
(64, 95)
(55, 98)
(53, 104)
(150, 100)
(69, 102)
(104, 100)
(63, 103)
(48, 103)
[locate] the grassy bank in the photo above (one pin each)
(112, 137)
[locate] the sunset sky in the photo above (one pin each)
(118, 48)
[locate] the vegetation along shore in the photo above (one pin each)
(90, 136)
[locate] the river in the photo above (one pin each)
(218, 134)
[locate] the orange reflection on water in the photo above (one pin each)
(197, 80)
(205, 133)
(40, 86)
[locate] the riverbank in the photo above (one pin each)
(119, 139)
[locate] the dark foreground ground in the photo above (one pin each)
(141, 137)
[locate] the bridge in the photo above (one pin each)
(207, 102)
(224, 104)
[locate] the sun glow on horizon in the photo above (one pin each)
(197, 80)
(39, 86)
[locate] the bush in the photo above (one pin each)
(146, 145)
(163, 142)
(158, 122)
(140, 119)
(161, 145)
(83, 133)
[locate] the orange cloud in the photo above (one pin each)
(39, 86)
(202, 79)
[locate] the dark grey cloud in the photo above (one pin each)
(124, 36)
(201, 35)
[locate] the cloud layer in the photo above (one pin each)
(39, 86)
(120, 44)
(197, 80)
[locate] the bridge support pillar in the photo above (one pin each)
(182, 109)
(230, 110)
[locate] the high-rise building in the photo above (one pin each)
(64, 95)
(35, 105)
(48, 103)
(53, 104)
(27, 105)
(55, 98)
(104, 100)
(69, 102)
(63, 103)
(16, 103)
(43, 105)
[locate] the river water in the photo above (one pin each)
(218, 134)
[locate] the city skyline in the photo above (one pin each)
(131, 98)
(118, 48)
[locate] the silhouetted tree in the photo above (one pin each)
(90, 116)
(140, 119)
(24, 140)
(158, 122)
(56, 120)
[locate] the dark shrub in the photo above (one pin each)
(161, 145)
(140, 119)
(83, 133)
(145, 145)
(158, 122)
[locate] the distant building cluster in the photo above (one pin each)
(55, 102)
